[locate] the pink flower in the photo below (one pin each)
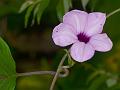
(84, 32)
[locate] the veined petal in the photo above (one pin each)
(101, 42)
(63, 35)
(81, 52)
(77, 19)
(95, 23)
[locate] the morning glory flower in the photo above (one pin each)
(83, 32)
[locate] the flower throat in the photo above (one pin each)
(83, 38)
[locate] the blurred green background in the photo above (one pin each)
(33, 49)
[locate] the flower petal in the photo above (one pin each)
(63, 35)
(81, 52)
(101, 42)
(77, 19)
(95, 23)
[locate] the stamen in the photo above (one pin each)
(83, 37)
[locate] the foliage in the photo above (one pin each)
(7, 68)
(37, 6)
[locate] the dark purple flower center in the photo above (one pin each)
(83, 37)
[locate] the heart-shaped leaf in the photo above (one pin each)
(7, 68)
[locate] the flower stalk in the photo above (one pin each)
(35, 73)
(58, 72)
(112, 13)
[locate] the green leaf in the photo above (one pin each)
(35, 13)
(25, 6)
(84, 3)
(27, 15)
(8, 84)
(63, 7)
(7, 68)
(42, 7)
(37, 7)
(29, 10)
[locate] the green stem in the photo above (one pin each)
(65, 70)
(35, 73)
(58, 71)
(112, 13)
